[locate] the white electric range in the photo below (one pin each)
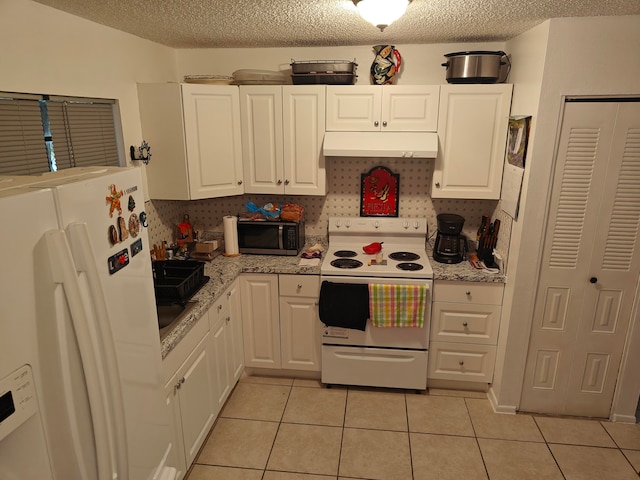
(375, 356)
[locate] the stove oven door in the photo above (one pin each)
(378, 356)
(408, 338)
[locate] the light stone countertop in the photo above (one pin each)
(222, 271)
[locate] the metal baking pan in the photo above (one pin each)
(323, 66)
(323, 79)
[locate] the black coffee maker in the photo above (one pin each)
(451, 246)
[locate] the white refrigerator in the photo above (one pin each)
(81, 394)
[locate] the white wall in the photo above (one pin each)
(529, 52)
(47, 51)
(585, 56)
(422, 63)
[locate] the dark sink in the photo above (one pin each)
(170, 315)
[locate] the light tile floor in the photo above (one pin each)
(293, 429)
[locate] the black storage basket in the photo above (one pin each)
(175, 281)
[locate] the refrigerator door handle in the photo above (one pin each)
(84, 259)
(61, 271)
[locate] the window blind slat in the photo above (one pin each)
(22, 147)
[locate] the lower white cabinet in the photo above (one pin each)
(200, 373)
(189, 392)
(282, 329)
(225, 324)
(300, 327)
(464, 331)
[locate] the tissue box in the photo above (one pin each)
(206, 247)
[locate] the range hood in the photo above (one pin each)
(381, 144)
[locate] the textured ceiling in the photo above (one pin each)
(303, 23)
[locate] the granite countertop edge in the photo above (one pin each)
(222, 271)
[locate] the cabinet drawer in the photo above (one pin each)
(462, 362)
(219, 308)
(457, 322)
(476, 293)
(299, 285)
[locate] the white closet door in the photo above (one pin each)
(590, 263)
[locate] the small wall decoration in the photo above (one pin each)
(379, 193)
(517, 140)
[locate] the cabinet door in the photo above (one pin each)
(300, 331)
(236, 355)
(472, 130)
(412, 108)
(176, 455)
(260, 320)
(196, 399)
(219, 366)
(354, 108)
(261, 116)
(304, 126)
(213, 140)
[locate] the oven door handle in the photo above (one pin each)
(280, 237)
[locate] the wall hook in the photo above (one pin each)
(143, 152)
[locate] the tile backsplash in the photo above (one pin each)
(343, 199)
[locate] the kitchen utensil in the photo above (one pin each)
(477, 67)
(323, 66)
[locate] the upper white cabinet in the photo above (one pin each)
(282, 135)
(472, 131)
(195, 138)
(390, 108)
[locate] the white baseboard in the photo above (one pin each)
(623, 418)
(497, 408)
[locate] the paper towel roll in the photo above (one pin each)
(230, 224)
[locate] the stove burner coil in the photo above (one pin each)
(345, 253)
(404, 256)
(346, 263)
(409, 266)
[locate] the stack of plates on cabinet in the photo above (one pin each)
(259, 77)
(209, 79)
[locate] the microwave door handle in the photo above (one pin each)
(280, 237)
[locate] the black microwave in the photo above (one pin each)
(270, 238)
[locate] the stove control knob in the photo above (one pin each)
(347, 223)
(376, 224)
(338, 223)
(405, 224)
(416, 224)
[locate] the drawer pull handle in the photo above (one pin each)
(465, 324)
(461, 363)
(468, 292)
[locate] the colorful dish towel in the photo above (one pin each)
(397, 305)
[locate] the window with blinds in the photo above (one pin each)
(41, 133)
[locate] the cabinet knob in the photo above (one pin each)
(239, 182)
(179, 384)
(279, 182)
(468, 292)
(286, 182)
(437, 184)
(299, 286)
(461, 363)
(465, 324)
(384, 123)
(593, 280)
(219, 307)
(376, 123)
(228, 319)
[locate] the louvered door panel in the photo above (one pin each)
(589, 265)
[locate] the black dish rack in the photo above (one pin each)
(176, 281)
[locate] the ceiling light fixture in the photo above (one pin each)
(381, 13)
